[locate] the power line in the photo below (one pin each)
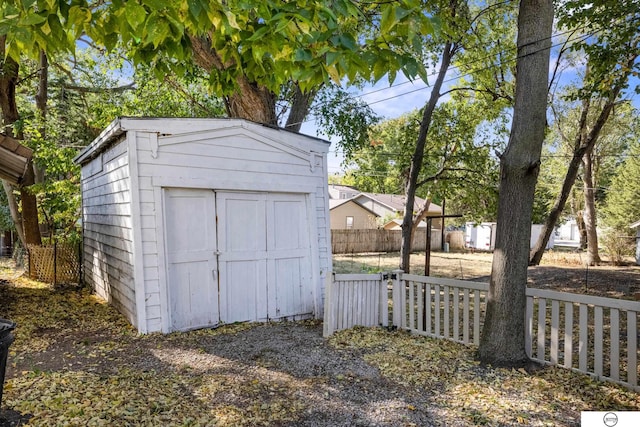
(581, 37)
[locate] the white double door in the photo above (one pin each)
(236, 256)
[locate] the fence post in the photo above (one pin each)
(384, 299)
(328, 324)
(398, 288)
(55, 262)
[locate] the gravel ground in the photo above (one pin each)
(331, 387)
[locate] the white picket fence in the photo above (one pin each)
(593, 335)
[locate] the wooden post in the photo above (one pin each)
(427, 249)
(442, 226)
(398, 288)
(329, 318)
(55, 262)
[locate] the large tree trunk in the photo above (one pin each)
(10, 115)
(251, 101)
(408, 221)
(29, 205)
(300, 105)
(503, 336)
(42, 97)
(593, 256)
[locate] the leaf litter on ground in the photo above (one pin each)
(76, 361)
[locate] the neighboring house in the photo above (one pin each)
(349, 215)
(342, 192)
(567, 234)
(192, 223)
(392, 205)
(396, 224)
(636, 225)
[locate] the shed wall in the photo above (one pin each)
(108, 230)
(213, 160)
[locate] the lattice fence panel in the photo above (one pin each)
(59, 264)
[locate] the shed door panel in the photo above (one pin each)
(242, 242)
(289, 256)
(191, 245)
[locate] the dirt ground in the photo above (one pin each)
(559, 270)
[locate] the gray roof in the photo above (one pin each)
(397, 202)
(14, 158)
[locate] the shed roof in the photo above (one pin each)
(169, 126)
(14, 158)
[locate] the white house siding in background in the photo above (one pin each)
(158, 253)
(483, 236)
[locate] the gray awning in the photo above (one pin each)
(14, 158)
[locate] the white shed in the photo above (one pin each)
(190, 223)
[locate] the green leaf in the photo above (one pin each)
(303, 55)
(332, 58)
(231, 19)
(32, 19)
(195, 8)
(156, 30)
(401, 13)
(135, 15)
(79, 15)
(388, 20)
(155, 4)
(348, 41)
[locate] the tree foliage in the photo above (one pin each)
(622, 206)
(270, 42)
(459, 165)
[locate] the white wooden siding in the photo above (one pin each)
(108, 235)
(124, 214)
(262, 168)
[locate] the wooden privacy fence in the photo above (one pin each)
(379, 240)
(57, 263)
(593, 335)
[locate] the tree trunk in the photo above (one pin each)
(593, 257)
(584, 143)
(300, 105)
(503, 337)
(10, 115)
(251, 101)
(408, 221)
(41, 104)
(8, 83)
(29, 206)
(14, 211)
(582, 229)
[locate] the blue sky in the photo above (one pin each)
(391, 101)
(387, 101)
